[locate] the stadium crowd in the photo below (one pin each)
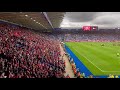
(24, 54)
(92, 37)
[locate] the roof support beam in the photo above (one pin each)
(46, 16)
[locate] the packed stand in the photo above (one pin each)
(92, 37)
(25, 54)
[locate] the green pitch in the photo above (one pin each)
(98, 58)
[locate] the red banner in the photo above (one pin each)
(86, 28)
(90, 28)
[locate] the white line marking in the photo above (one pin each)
(111, 71)
(89, 60)
(94, 64)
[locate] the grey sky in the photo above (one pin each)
(101, 19)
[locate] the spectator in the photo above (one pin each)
(78, 74)
(116, 76)
(67, 76)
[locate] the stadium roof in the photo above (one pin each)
(34, 20)
(66, 20)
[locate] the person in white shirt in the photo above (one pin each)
(3, 75)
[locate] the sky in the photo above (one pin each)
(100, 19)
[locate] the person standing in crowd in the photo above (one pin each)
(3, 75)
(116, 76)
(67, 76)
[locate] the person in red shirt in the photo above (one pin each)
(78, 74)
(67, 76)
(75, 71)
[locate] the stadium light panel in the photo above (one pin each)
(26, 15)
(41, 25)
